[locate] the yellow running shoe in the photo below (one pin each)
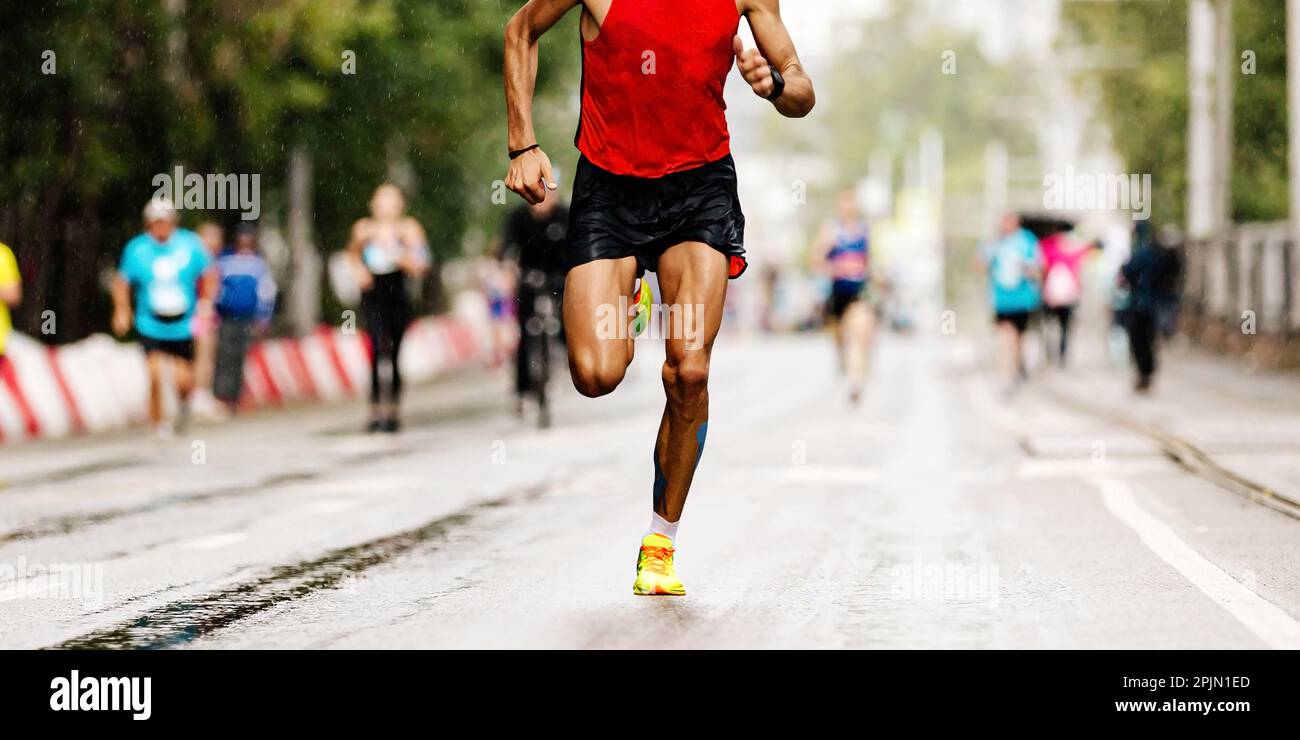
(655, 575)
(644, 301)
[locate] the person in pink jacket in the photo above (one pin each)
(1062, 285)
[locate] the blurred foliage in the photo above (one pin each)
(889, 87)
(231, 86)
(1147, 105)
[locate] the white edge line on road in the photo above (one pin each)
(1265, 620)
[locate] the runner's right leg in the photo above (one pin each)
(155, 360)
(591, 291)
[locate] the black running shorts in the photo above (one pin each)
(839, 302)
(614, 216)
(180, 349)
(1018, 319)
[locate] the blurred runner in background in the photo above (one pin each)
(166, 270)
(1062, 283)
(535, 238)
(1015, 270)
(498, 286)
(386, 249)
(203, 403)
(845, 252)
(245, 305)
(1152, 277)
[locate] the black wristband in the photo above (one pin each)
(516, 154)
(778, 83)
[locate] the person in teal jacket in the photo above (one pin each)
(1015, 274)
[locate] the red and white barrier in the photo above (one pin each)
(99, 384)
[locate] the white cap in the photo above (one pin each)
(159, 209)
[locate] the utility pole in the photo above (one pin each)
(1210, 73)
(1200, 119)
(304, 288)
(1225, 79)
(1293, 107)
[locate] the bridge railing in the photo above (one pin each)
(1242, 292)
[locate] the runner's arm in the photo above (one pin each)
(415, 262)
(821, 250)
(121, 292)
(777, 49)
(530, 174)
(356, 241)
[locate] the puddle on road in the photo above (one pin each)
(177, 624)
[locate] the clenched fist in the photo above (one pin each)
(754, 68)
(530, 176)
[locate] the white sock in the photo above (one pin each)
(659, 525)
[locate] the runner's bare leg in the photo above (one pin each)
(693, 279)
(597, 359)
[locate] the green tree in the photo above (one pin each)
(1146, 104)
(232, 86)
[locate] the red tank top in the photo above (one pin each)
(652, 86)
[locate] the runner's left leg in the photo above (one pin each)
(693, 281)
(857, 324)
(184, 370)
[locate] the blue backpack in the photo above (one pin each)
(238, 296)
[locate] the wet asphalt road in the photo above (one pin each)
(933, 515)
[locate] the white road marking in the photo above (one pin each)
(1269, 623)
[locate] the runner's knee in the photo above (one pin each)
(686, 374)
(595, 375)
(155, 364)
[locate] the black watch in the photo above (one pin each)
(778, 83)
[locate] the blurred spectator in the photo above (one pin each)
(245, 305)
(166, 270)
(535, 239)
(1152, 277)
(11, 294)
(205, 334)
(386, 249)
(1015, 270)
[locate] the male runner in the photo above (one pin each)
(167, 269)
(655, 190)
(845, 254)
